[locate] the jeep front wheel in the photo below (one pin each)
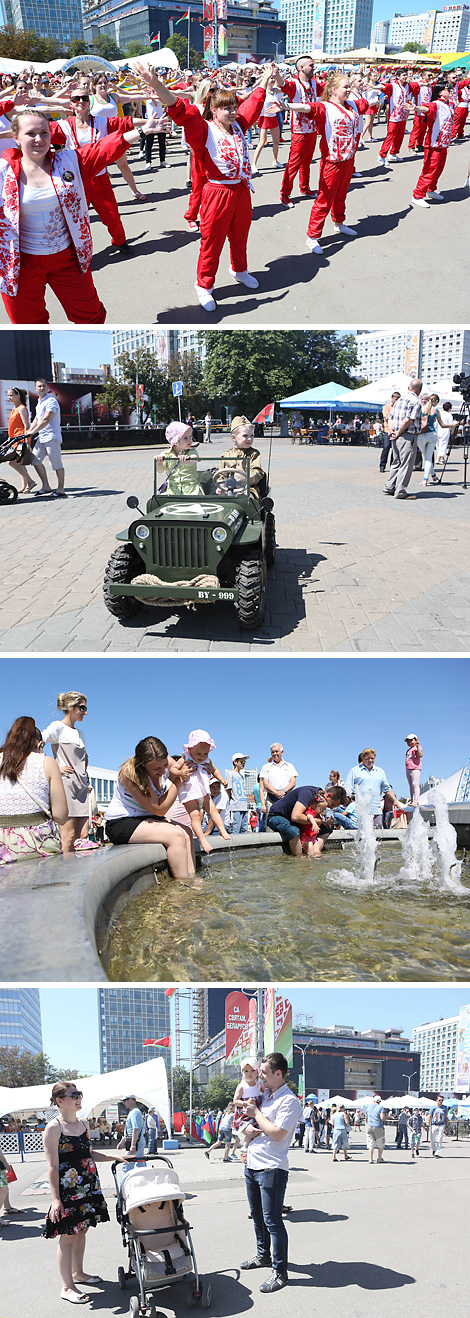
(123, 565)
(251, 581)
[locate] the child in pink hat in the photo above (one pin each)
(195, 793)
(184, 481)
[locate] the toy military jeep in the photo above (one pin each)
(205, 536)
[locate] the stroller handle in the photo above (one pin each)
(141, 1157)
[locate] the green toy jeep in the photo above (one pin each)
(206, 536)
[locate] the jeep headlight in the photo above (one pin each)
(142, 532)
(219, 534)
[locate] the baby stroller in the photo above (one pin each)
(8, 493)
(156, 1234)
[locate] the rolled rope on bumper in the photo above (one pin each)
(149, 579)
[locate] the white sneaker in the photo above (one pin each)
(314, 246)
(395, 159)
(148, 168)
(434, 196)
(254, 169)
(381, 160)
(163, 164)
(343, 228)
(356, 174)
(205, 298)
(419, 201)
(277, 164)
(245, 278)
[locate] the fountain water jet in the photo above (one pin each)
(366, 841)
(417, 853)
(445, 844)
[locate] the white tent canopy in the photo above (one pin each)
(158, 59)
(380, 391)
(448, 788)
(148, 1082)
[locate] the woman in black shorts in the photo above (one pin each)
(145, 806)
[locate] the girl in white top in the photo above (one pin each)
(195, 792)
(31, 794)
(104, 102)
(145, 797)
(69, 750)
(250, 1087)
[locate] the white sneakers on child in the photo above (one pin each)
(244, 277)
(343, 228)
(205, 298)
(314, 246)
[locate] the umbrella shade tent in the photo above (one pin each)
(148, 1081)
(324, 395)
(456, 61)
(158, 59)
(375, 395)
(340, 1101)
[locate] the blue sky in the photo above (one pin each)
(323, 710)
(81, 347)
(70, 1015)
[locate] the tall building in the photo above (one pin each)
(253, 26)
(451, 28)
(437, 1043)
(433, 354)
(62, 374)
(127, 1016)
(328, 26)
(20, 1020)
(61, 19)
(25, 355)
(413, 27)
(164, 343)
(381, 32)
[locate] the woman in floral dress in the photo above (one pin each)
(77, 1200)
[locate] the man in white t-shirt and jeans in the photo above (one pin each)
(267, 1169)
(278, 776)
(46, 424)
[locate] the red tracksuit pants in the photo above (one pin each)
(225, 213)
(434, 161)
(199, 178)
(300, 158)
(460, 119)
(418, 131)
(75, 291)
(101, 196)
(333, 186)
(394, 139)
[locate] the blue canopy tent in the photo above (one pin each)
(334, 396)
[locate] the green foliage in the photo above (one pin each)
(181, 1090)
(106, 47)
(415, 47)
(179, 44)
(274, 364)
(219, 1092)
(158, 396)
(18, 1069)
(78, 47)
(28, 45)
(134, 48)
(115, 395)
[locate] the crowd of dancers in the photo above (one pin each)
(57, 142)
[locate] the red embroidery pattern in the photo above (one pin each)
(71, 196)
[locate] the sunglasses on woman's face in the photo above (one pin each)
(76, 99)
(76, 1093)
(82, 707)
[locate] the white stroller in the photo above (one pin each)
(156, 1234)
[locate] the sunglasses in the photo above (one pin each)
(76, 1093)
(82, 707)
(75, 99)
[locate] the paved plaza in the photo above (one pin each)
(363, 1240)
(355, 572)
(405, 263)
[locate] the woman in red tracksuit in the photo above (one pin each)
(439, 117)
(218, 140)
(337, 121)
(45, 235)
(82, 128)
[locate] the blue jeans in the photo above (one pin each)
(402, 1135)
(240, 821)
(261, 813)
(152, 1140)
(345, 820)
(266, 1189)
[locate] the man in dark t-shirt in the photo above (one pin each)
(287, 815)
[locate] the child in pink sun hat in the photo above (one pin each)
(179, 480)
(195, 792)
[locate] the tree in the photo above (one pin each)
(219, 1092)
(135, 48)
(156, 381)
(277, 363)
(18, 1069)
(106, 47)
(415, 47)
(77, 47)
(28, 46)
(179, 45)
(181, 1090)
(115, 396)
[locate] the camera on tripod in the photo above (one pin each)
(462, 384)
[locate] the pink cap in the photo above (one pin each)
(196, 737)
(175, 431)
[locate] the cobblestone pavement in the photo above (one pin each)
(355, 572)
(398, 267)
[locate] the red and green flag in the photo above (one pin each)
(183, 17)
(158, 1043)
(170, 991)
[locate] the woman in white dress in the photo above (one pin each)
(32, 797)
(68, 748)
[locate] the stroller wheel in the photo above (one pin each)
(8, 493)
(122, 1279)
(206, 1298)
(133, 1306)
(192, 1296)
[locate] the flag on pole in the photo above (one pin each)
(158, 1043)
(183, 17)
(223, 41)
(155, 38)
(266, 414)
(170, 991)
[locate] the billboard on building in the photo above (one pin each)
(160, 348)
(412, 352)
(237, 1013)
(74, 400)
(318, 25)
(462, 1069)
(428, 30)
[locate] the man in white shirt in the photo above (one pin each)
(277, 777)
(47, 422)
(267, 1169)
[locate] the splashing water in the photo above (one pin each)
(417, 854)
(365, 842)
(445, 844)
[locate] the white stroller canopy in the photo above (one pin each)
(149, 1185)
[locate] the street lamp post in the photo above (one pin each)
(408, 1078)
(299, 1048)
(277, 45)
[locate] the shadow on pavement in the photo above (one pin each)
(377, 225)
(316, 1215)
(230, 1296)
(334, 1275)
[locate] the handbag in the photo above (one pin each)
(11, 1176)
(50, 844)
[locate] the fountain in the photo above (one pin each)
(445, 845)
(417, 852)
(366, 841)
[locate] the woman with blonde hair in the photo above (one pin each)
(145, 808)
(337, 119)
(32, 798)
(77, 1199)
(69, 750)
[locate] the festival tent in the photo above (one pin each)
(157, 59)
(147, 1081)
(379, 392)
(448, 787)
(324, 395)
(456, 61)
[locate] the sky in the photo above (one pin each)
(323, 710)
(81, 347)
(70, 1015)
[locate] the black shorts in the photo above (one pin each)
(120, 831)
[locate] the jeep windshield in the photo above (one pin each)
(190, 477)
